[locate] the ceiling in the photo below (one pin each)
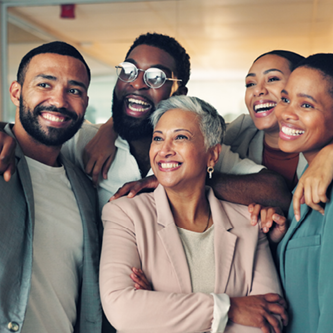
(222, 37)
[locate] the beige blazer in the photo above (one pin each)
(141, 232)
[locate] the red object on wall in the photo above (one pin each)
(67, 11)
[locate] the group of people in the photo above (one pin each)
(183, 257)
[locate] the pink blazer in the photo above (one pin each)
(141, 232)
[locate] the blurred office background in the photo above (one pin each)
(222, 37)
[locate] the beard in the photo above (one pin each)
(52, 136)
(129, 128)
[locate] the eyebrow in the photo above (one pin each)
(266, 72)
(175, 131)
(301, 95)
(53, 78)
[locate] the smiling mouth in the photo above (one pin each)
(169, 165)
(138, 105)
(54, 118)
(291, 132)
(264, 107)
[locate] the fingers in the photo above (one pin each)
(269, 215)
(272, 322)
(122, 191)
(7, 156)
(297, 201)
(277, 305)
(9, 172)
(312, 197)
(133, 188)
(140, 280)
(261, 311)
(89, 162)
(93, 167)
(254, 210)
(107, 166)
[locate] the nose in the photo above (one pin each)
(59, 98)
(166, 149)
(285, 112)
(260, 89)
(139, 82)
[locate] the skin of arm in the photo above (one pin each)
(7, 154)
(265, 187)
(121, 252)
(312, 186)
(100, 151)
(243, 310)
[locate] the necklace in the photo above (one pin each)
(207, 220)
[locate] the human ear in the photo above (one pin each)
(180, 91)
(15, 93)
(214, 155)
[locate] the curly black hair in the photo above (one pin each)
(171, 46)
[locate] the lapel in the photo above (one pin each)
(86, 204)
(24, 175)
(171, 241)
(224, 243)
(290, 233)
(256, 147)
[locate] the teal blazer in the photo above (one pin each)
(16, 244)
(306, 269)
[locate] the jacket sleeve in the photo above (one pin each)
(131, 310)
(265, 277)
(325, 284)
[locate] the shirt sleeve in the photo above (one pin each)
(220, 316)
(231, 163)
(73, 148)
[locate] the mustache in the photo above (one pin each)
(63, 111)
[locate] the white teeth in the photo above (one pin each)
(51, 117)
(169, 165)
(138, 102)
(264, 107)
(290, 131)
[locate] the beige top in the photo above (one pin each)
(199, 250)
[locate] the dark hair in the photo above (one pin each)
(322, 62)
(57, 47)
(171, 46)
(292, 57)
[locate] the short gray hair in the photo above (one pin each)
(212, 124)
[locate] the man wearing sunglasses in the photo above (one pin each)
(155, 68)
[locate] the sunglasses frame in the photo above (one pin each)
(121, 65)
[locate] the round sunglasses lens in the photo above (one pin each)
(127, 72)
(154, 77)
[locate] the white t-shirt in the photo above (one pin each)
(125, 168)
(57, 252)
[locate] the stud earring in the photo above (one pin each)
(210, 171)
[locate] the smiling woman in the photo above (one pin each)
(256, 136)
(209, 269)
(306, 121)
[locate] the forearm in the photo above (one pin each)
(266, 188)
(131, 310)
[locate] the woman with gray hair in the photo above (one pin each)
(207, 268)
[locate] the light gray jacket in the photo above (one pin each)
(16, 244)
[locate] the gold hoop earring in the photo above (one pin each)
(210, 171)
